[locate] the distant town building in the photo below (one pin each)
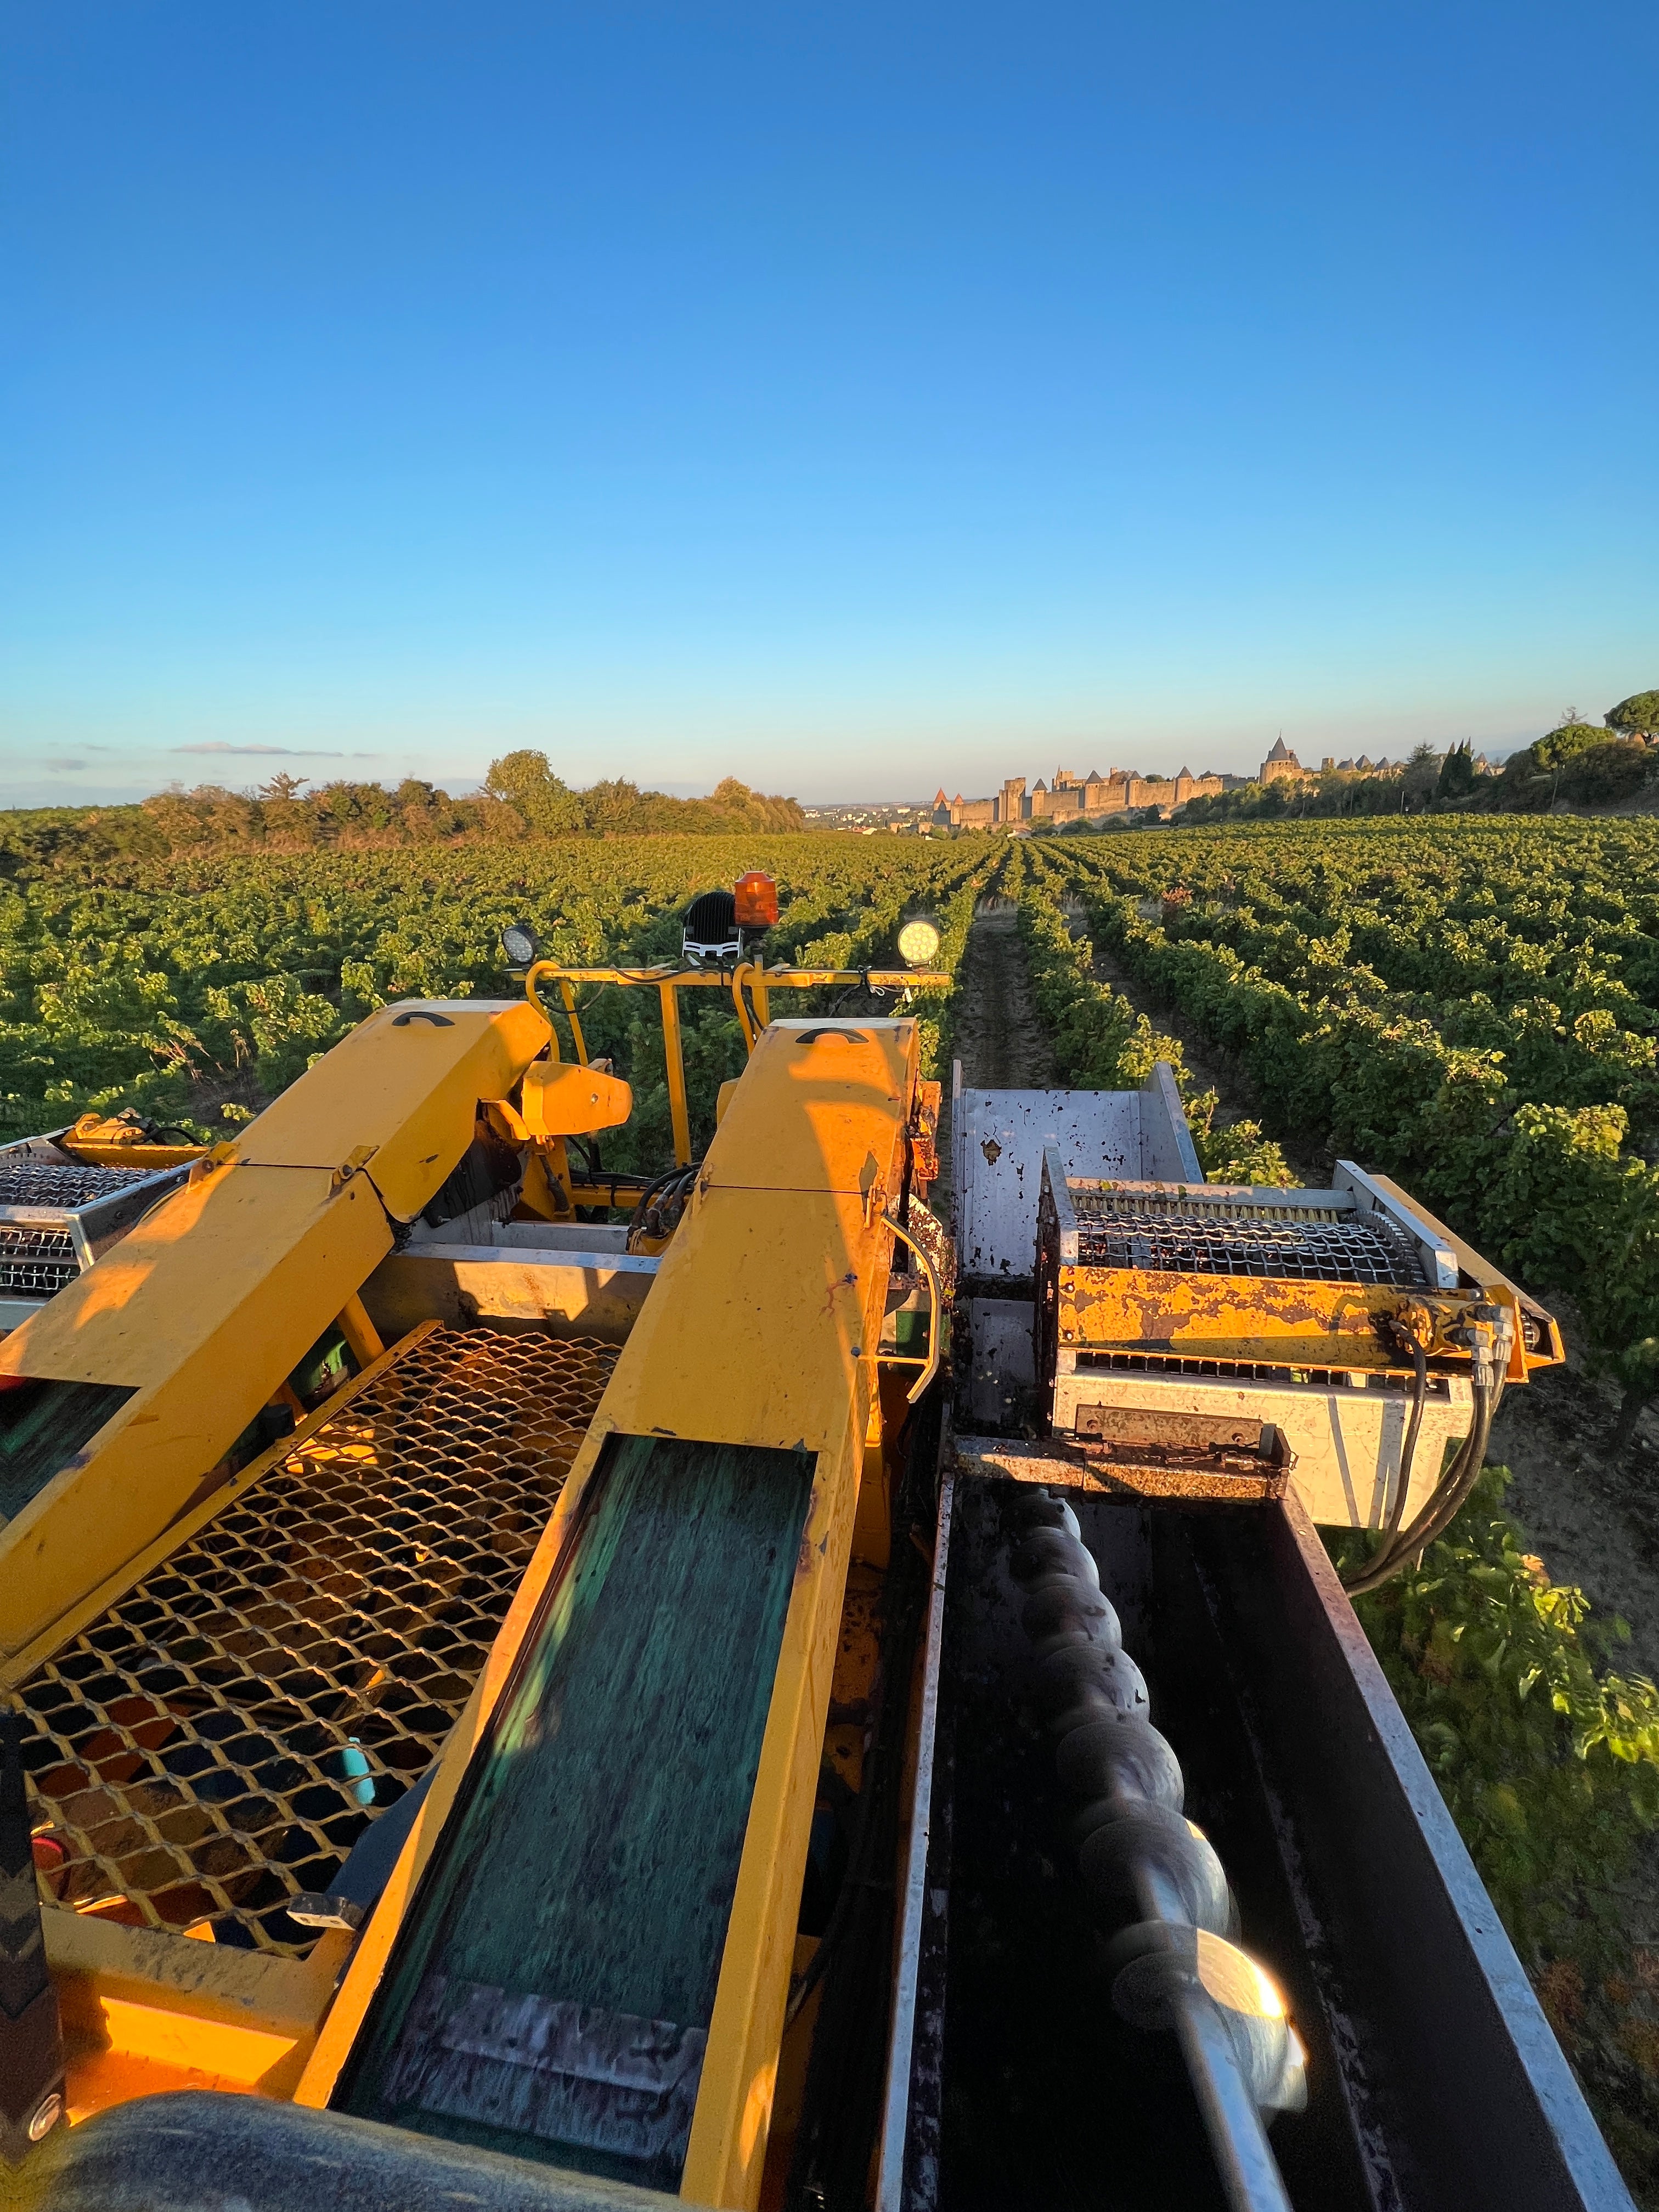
(1066, 796)
(1282, 763)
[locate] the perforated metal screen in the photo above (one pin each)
(218, 1739)
(1134, 1229)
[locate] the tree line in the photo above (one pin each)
(521, 796)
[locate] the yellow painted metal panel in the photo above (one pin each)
(397, 1095)
(249, 1990)
(202, 1311)
(1496, 1286)
(213, 1298)
(562, 1099)
(819, 1103)
(1315, 1324)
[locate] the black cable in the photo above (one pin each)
(674, 1184)
(1391, 1560)
(1437, 1515)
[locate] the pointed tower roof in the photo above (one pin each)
(1280, 751)
(939, 799)
(1094, 776)
(1180, 772)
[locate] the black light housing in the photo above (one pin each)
(518, 943)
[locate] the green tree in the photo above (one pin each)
(1603, 774)
(1560, 745)
(526, 782)
(1457, 772)
(1639, 714)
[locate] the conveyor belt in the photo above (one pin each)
(215, 1742)
(554, 1988)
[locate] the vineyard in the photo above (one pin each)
(195, 990)
(1470, 1005)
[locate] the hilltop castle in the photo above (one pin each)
(1091, 796)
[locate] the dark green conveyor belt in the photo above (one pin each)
(552, 1991)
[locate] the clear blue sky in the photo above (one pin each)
(852, 398)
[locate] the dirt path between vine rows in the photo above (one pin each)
(1001, 1044)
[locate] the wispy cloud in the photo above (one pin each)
(283, 753)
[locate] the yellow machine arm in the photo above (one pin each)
(119, 1399)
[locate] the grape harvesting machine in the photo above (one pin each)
(800, 1697)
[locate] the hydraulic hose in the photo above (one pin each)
(1450, 1494)
(1407, 1454)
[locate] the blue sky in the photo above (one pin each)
(851, 398)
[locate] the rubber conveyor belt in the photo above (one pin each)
(215, 1743)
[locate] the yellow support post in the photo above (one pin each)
(567, 993)
(359, 1331)
(677, 1111)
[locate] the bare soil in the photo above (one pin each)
(1001, 1044)
(998, 1038)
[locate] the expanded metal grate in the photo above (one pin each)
(1133, 1230)
(50, 1183)
(215, 1743)
(35, 1263)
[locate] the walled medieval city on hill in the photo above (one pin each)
(1119, 793)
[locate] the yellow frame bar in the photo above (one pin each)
(679, 1112)
(760, 981)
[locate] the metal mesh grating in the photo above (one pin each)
(35, 1263)
(218, 1739)
(1131, 1230)
(49, 1182)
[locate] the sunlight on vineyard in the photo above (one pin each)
(195, 990)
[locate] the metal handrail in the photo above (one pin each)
(929, 1366)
